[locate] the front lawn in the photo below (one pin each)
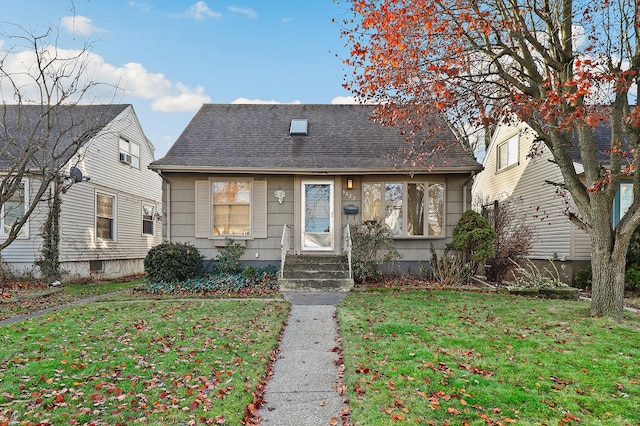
(449, 358)
(149, 362)
(29, 299)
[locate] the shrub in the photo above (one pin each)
(473, 236)
(228, 260)
(449, 269)
(264, 280)
(583, 278)
(632, 278)
(172, 262)
(513, 241)
(372, 245)
(532, 277)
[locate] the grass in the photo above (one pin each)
(450, 358)
(150, 362)
(68, 293)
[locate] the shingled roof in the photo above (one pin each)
(340, 138)
(51, 131)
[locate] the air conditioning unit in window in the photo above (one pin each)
(125, 158)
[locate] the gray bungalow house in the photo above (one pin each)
(291, 179)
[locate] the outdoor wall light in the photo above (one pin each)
(349, 183)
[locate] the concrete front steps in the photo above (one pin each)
(317, 272)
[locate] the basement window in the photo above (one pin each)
(298, 127)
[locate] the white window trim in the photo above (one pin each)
(115, 216)
(249, 235)
(427, 184)
(204, 208)
(515, 139)
(153, 218)
(24, 232)
(128, 151)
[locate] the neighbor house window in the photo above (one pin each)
(129, 153)
(408, 209)
(105, 216)
(148, 212)
(622, 201)
(231, 207)
(508, 152)
(13, 209)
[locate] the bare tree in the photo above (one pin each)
(42, 122)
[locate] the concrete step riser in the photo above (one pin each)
(308, 274)
(316, 285)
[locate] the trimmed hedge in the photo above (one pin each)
(173, 262)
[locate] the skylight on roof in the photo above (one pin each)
(298, 126)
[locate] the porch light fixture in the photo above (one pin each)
(349, 183)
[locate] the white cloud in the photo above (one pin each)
(143, 7)
(130, 81)
(78, 25)
(200, 11)
(250, 13)
(344, 100)
(260, 101)
(187, 100)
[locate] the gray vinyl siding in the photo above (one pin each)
(131, 187)
(24, 250)
(183, 219)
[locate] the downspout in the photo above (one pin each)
(167, 236)
(464, 190)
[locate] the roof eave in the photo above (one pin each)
(306, 171)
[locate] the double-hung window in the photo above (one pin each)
(13, 209)
(408, 209)
(148, 213)
(105, 216)
(230, 207)
(129, 153)
(508, 152)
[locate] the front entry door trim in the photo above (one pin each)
(317, 215)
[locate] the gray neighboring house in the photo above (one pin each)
(110, 219)
(295, 177)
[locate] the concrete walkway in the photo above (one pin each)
(302, 391)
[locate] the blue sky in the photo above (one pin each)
(173, 56)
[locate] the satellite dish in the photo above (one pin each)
(75, 174)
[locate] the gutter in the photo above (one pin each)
(464, 190)
(167, 214)
(307, 171)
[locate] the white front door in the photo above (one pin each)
(317, 215)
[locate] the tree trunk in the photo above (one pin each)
(608, 270)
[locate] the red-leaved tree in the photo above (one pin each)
(561, 66)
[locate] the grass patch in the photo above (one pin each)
(149, 362)
(69, 293)
(468, 358)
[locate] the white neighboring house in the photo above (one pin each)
(110, 218)
(511, 173)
